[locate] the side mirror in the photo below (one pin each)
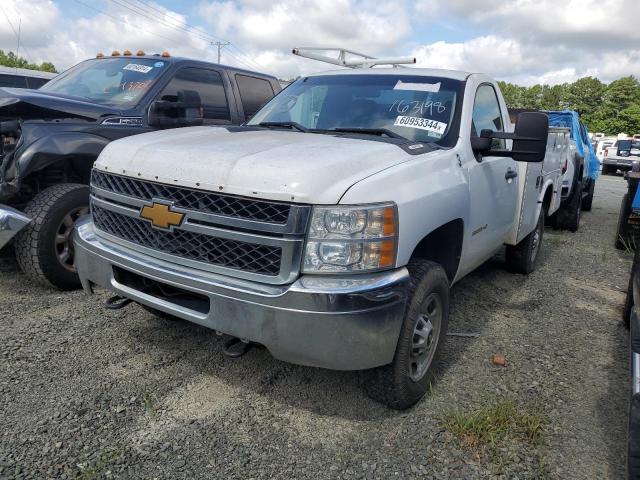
(529, 139)
(185, 111)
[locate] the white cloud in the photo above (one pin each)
(525, 41)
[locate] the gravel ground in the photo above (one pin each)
(90, 393)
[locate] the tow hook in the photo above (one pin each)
(117, 302)
(236, 347)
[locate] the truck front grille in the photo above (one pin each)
(208, 202)
(248, 238)
(223, 252)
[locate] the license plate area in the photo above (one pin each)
(167, 293)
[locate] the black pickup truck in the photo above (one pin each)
(50, 138)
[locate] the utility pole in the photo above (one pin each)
(220, 45)
(19, 30)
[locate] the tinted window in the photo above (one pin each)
(35, 83)
(487, 114)
(254, 92)
(118, 81)
(209, 86)
(13, 81)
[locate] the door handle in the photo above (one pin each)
(510, 174)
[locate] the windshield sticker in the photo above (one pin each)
(158, 64)
(432, 126)
(134, 67)
(418, 87)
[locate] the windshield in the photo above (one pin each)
(415, 107)
(109, 81)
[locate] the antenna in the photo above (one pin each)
(364, 61)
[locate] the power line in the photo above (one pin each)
(155, 19)
(26, 51)
(190, 29)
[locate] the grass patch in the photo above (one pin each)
(97, 470)
(493, 425)
(150, 404)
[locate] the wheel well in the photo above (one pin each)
(443, 246)
(62, 170)
(546, 200)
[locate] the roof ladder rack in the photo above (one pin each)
(361, 60)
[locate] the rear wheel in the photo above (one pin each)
(623, 240)
(44, 248)
(587, 201)
(568, 216)
(404, 382)
(523, 257)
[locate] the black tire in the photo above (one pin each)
(41, 251)
(587, 201)
(605, 170)
(568, 215)
(622, 231)
(402, 384)
(628, 301)
(523, 257)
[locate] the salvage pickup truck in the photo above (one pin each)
(331, 227)
(50, 138)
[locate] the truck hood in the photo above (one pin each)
(38, 104)
(270, 164)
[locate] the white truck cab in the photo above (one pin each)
(331, 227)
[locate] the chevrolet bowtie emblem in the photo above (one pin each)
(161, 216)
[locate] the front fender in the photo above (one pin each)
(46, 150)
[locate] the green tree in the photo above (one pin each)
(12, 60)
(585, 95)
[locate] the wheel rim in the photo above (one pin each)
(64, 240)
(426, 332)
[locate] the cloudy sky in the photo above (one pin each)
(523, 41)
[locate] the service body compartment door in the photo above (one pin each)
(530, 175)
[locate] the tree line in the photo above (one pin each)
(10, 59)
(610, 108)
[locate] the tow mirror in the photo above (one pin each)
(185, 109)
(529, 139)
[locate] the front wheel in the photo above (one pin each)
(523, 257)
(404, 382)
(44, 248)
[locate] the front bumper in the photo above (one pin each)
(335, 322)
(11, 222)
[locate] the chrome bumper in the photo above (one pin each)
(340, 323)
(11, 222)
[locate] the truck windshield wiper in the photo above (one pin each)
(369, 131)
(292, 125)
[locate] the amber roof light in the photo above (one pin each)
(99, 55)
(115, 53)
(127, 53)
(140, 53)
(165, 54)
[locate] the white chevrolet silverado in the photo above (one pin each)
(331, 227)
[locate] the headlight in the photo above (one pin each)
(351, 238)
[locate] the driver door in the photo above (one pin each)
(493, 181)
